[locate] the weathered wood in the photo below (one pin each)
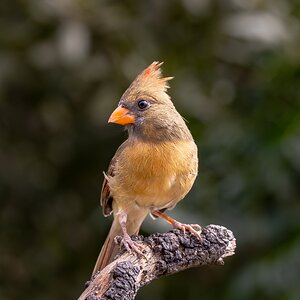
(165, 254)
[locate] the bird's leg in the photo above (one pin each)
(184, 227)
(128, 243)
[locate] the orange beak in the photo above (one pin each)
(121, 116)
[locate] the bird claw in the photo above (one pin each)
(132, 246)
(189, 227)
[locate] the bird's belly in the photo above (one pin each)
(154, 192)
(159, 192)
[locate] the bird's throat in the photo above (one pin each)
(159, 132)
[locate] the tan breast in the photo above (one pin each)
(154, 175)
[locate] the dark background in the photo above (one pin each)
(63, 66)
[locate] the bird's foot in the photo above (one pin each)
(126, 241)
(183, 227)
(132, 246)
(188, 227)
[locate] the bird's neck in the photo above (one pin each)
(160, 132)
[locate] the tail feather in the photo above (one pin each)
(109, 249)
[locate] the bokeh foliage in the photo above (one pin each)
(64, 65)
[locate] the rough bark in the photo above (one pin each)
(165, 254)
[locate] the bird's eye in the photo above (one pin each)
(143, 104)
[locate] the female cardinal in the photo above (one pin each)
(153, 169)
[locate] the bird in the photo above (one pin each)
(153, 169)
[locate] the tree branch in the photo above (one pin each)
(165, 254)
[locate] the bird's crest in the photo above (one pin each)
(153, 74)
(149, 81)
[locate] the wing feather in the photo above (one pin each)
(106, 198)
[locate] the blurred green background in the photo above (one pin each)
(63, 67)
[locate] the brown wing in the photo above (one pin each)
(106, 198)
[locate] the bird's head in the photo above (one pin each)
(147, 110)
